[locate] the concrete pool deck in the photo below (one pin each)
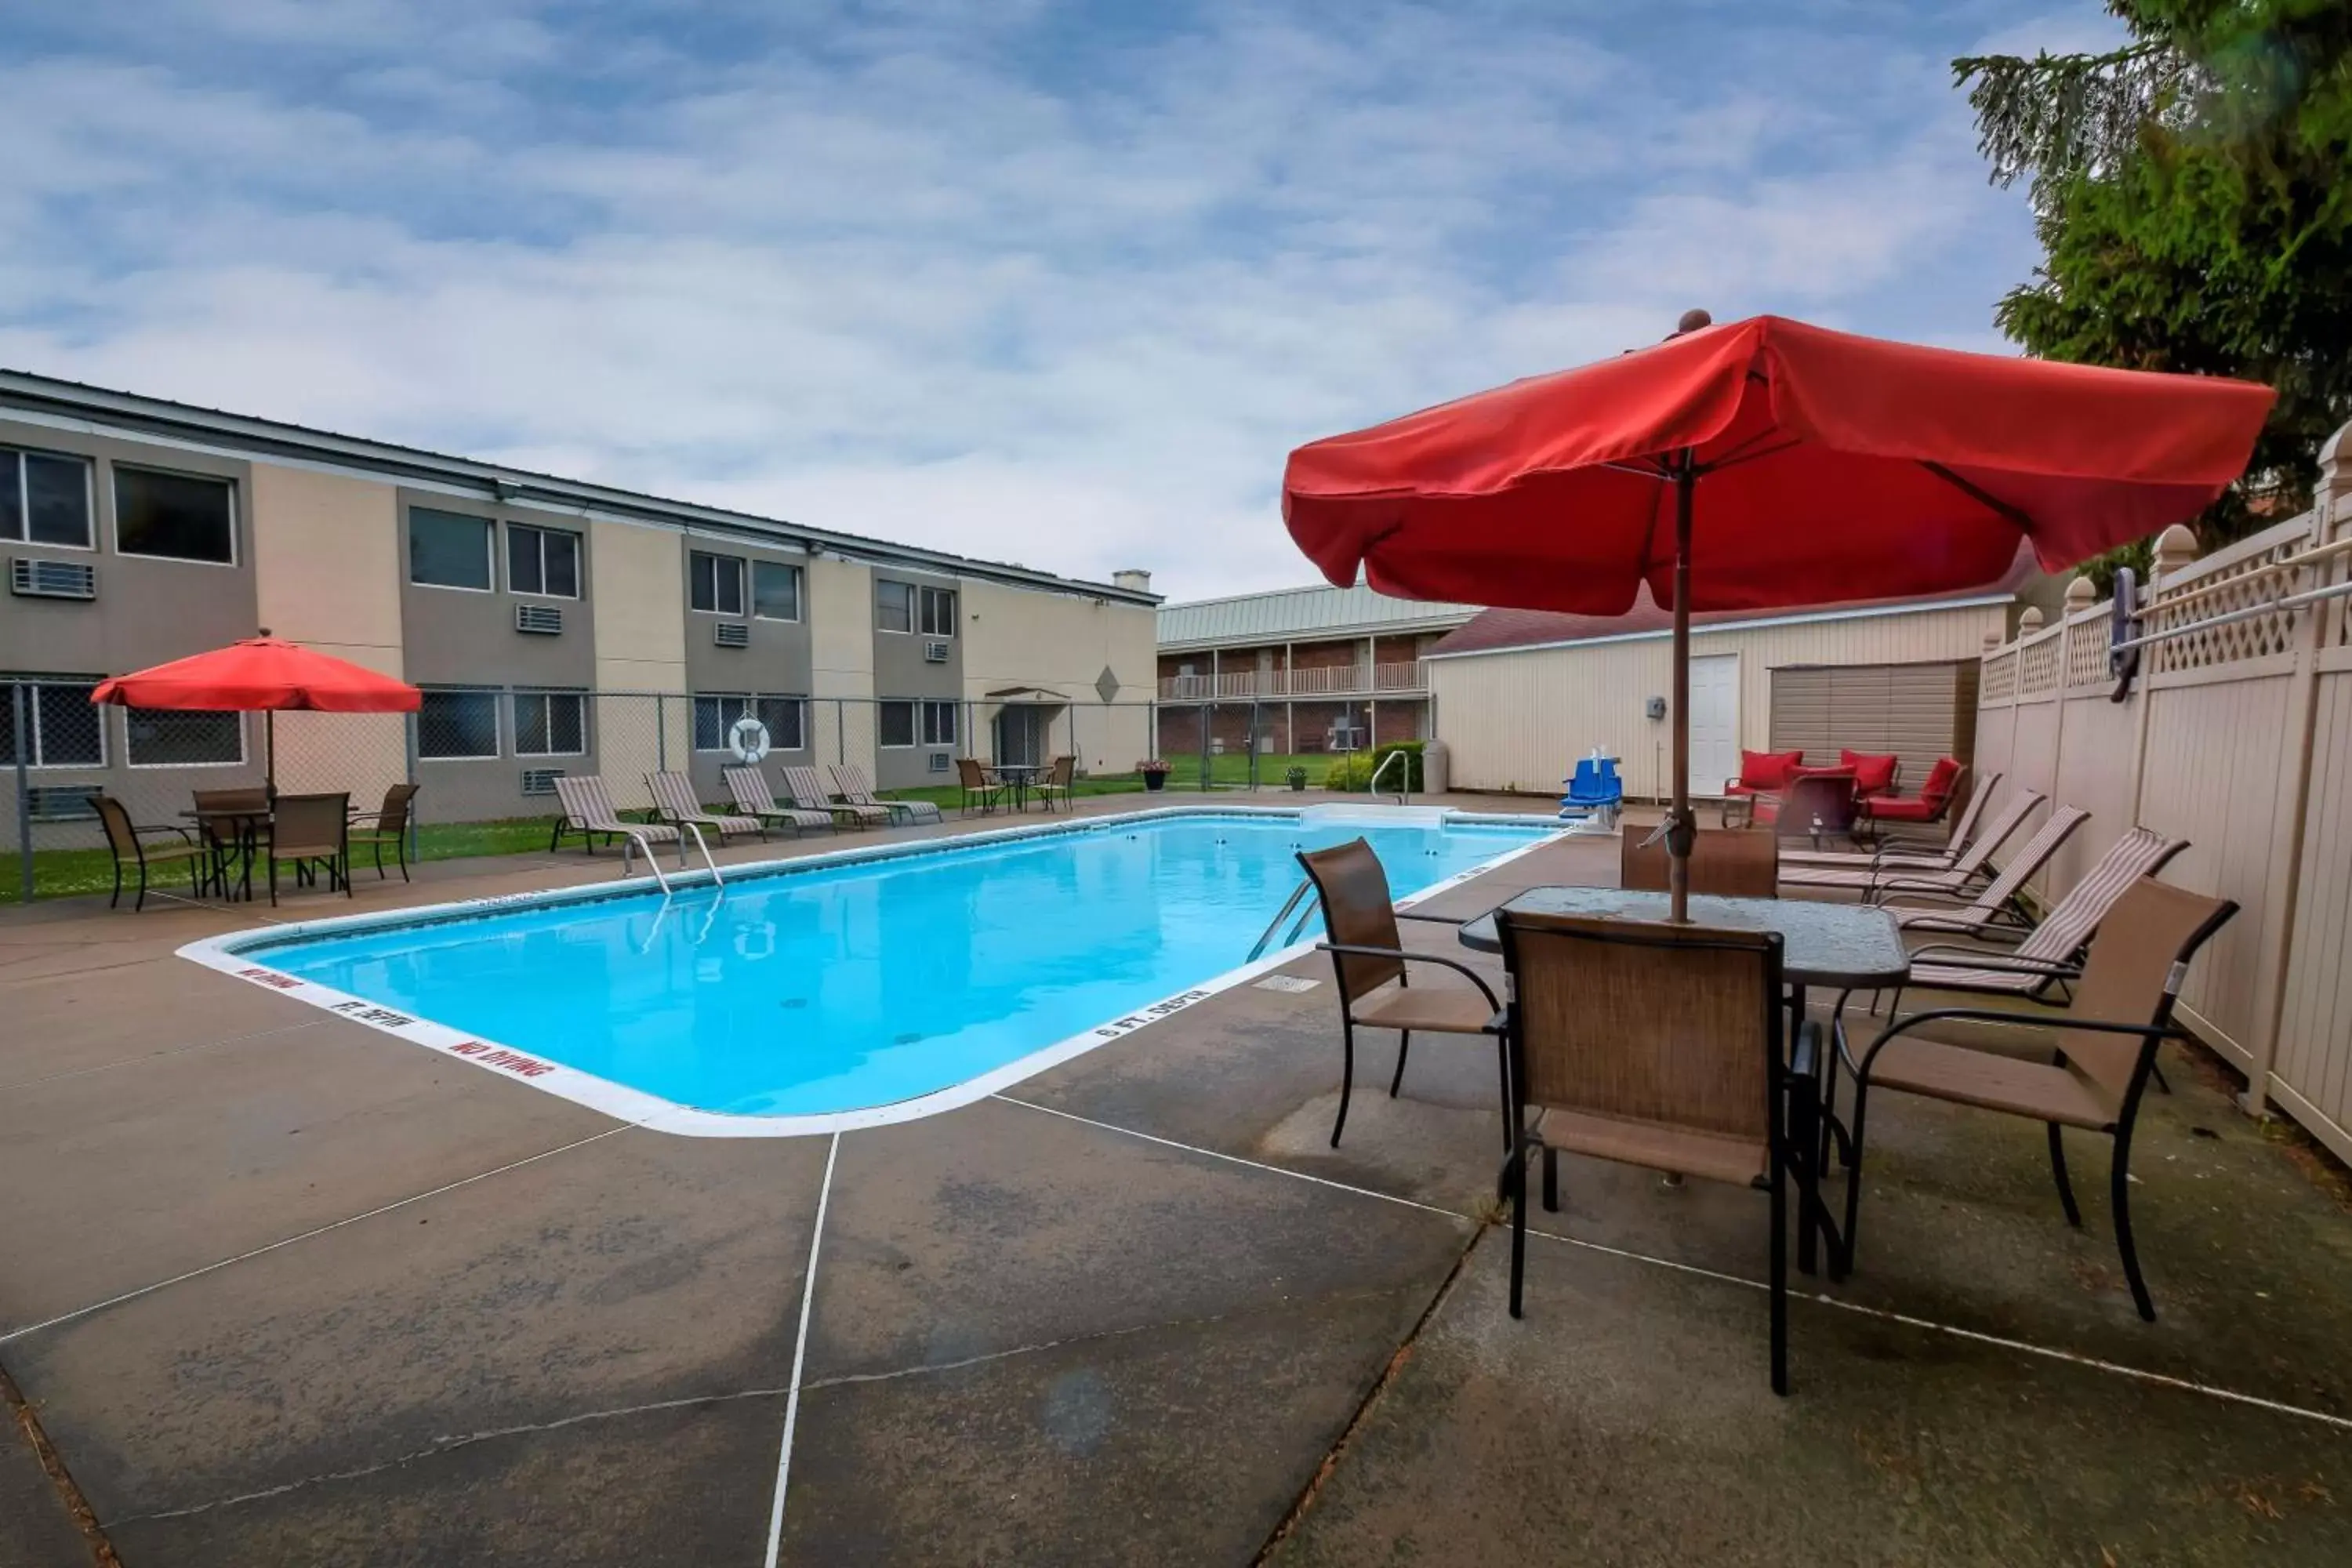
(278, 1289)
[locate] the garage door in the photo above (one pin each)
(1919, 711)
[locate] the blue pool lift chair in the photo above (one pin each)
(1595, 793)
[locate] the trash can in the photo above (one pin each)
(1436, 773)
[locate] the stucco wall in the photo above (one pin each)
(1062, 643)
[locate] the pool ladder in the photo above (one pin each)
(1281, 915)
(1373, 789)
(629, 845)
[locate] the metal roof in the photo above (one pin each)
(1321, 611)
(133, 413)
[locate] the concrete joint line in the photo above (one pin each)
(53, 1464)
(62, 1317)
(158, 1056)
(800, 1358)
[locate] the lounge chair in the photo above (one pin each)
(1735, 862)
(2046, 959)
(2142, 852)
(2031, 857)
(1366, 950)
(310, 830)
(809, 795)
(1658, 1046)
(749, 786)
(979, 784)
(850, 783)
(674, 801)
(2105, 1051)
(588, 810)
(131, 849)
(1916, 852)
(1964, 870)
(1059, 783)
(391, 828)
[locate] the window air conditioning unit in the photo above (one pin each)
(935, 652)
(62, 803)
(939, 761)
(33, 578)
(541, 781)
(538, 618)
(731, 634)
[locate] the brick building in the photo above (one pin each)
(1302, 669)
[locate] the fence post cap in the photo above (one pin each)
(1992, 637)
(2030, 618)
(2080, 592)
(2175, 547)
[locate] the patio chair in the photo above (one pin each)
(253, 802)
(1901, 847)
(979, 784)
(1734, 862)
(391, 828)
(673, 801)
(1964, 870)
(850, 783)
(2106, 1050)
(808, 794)
(123, 840)
(310, 830)
(2046, 959)
(1658, 1046)
(752, 797)
(1058, 782)
(1945, 777)
(1820, 803)
(1994, 916)
(588, 810)
(1360, 920)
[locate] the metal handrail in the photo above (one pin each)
(699, 843)
(1375, 787)
(630, 843)
(2268, 607)
(1281, 915)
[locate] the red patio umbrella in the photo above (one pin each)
(1761, 464)
(262, 674)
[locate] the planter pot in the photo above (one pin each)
(1298, 777)
(1155, 783)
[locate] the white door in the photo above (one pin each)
(1714, 722)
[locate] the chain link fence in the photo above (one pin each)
(485, 758)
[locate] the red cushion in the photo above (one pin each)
(1872, 774)
(1903, 808)
(1941, 776)
(1761, 771)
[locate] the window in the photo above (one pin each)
(895, 722)
(456, 725)
(938, 723)
(787, 720)
(906, 723)
(775, 591)
(894, 607)
(448, 550)
(65, 730)
(938, 612)
(714, 716)
(542, 561)
(550, 724)
(166, 739)
(715, 583)
(45, 499)
(181, 517)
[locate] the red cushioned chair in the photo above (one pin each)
(1930, 805)
(1764, 772)
(1872, 774)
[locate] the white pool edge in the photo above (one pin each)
(221, 953)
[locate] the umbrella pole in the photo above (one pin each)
(269, 753)
(1682, 830)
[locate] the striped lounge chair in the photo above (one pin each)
(588, 810)
(674, 798)
(2047, 957)
(749, 786)
(1998, 914)
(809, 795)
(2031, 857)
(1915, 854)
(850, 783)
(1964, 872)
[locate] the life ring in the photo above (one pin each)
(748, 739)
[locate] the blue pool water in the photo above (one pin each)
(847, 986)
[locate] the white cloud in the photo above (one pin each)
(899, 277)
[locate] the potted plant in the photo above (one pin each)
(1155, 773)
(1297, 775)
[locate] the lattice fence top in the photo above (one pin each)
(2086, 650)
(2037, 664)
(2246, 583)
(1998, 682)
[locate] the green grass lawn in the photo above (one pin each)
(1231, 771)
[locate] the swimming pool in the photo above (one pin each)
(850, 988)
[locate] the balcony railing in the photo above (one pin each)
(1250, 685)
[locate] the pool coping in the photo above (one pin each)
(231, 953)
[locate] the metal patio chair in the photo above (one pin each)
(2106, 1042)
(389, 827)
(1961, 873)
(808, 794)
(749, 788)
(1732, 862)
(311, 831)
(588, 810)
(1057, 783)
(674, 801)
(1658, 1046)
(979, 784)
(850, 783)
(123, 838)
(1369, 962)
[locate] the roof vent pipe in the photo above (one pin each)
(1133, 580)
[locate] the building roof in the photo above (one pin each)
(1512, 631)
(1320, 611)
(76, 405)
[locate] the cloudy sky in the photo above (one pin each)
(1056, 283)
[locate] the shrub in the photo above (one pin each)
(1412, 768)
(1353, 771)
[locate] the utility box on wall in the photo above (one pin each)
(1919, 711)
